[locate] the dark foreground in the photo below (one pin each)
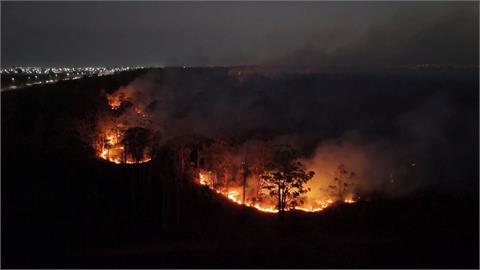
(62, 207)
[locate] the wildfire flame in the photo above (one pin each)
(111, 149)
(109, 144)
(235, 196)
(114, 101)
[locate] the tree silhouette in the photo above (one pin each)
(343, 180)
(221, 160)
(285, 177)
(182, 146)
(135, 141)
(259, 154)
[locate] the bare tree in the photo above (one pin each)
(343, 182)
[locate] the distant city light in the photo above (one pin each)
(66, 73)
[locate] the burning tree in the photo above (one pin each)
(344, 180)
(285, 177)
(221, 160)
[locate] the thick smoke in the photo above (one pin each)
(399, 131)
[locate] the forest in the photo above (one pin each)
(243, 167)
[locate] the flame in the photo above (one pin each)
(110, 148)
(114, 101)
(205, 178)
(349, 201)
(109, 145)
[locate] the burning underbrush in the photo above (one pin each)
(264, 174)
(271, 177)
(120, 145)
(261, 200)
(123, 133)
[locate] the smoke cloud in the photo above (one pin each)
(399, 130)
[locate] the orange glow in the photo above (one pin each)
(234, 194)
(114, 101)
(140, 112)
(110, 148)
(349, 201)
(109, 143)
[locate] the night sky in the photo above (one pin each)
(222, 33)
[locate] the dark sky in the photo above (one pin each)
(237, 33)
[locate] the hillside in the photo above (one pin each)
(62, 206)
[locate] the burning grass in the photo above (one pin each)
(263, 202)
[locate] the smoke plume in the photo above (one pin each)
(398, 130)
